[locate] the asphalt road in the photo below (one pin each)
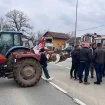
(41, 94)
(89, 94)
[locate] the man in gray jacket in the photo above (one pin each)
(85, 60)
(99, 60)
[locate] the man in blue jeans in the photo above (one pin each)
(43, 62)
(99, 60)
(85, 60)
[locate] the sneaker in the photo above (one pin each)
(49, 79)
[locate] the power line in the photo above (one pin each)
(97, 30)
(92, 28)
(101, 29)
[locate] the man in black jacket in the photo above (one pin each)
(92, 47)
(85, 60)
(43, 62)
(99, 60)
(75, 61)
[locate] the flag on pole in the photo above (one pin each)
(40, 45)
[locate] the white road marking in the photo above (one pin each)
(43, 78)
(57, 87)
(79, 102)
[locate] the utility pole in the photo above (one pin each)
(76, 22)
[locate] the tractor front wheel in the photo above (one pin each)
(27, 72)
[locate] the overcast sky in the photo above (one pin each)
(59, 15)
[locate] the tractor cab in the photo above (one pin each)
(11, 41)
(8, 40)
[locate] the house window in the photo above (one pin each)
(48, 40)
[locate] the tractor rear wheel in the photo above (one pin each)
(27, 72)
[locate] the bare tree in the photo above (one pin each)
(18, 20)
(70, 34)
(41, 33)
(3, 25)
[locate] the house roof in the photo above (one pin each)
(72, 40)
(57, 35)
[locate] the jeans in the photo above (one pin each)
(104, 71)
(84, 66)
(92, 69)
(75, 69)
(72, 69)
(46, 72)
(99, 70)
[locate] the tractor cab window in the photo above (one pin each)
(17, 40)
(6, 42)
(7, 39)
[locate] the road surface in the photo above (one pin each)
(89, 94)
(41, 94)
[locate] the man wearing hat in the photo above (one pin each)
(85, 60)
(43, 62)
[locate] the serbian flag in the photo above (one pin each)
(40, 45)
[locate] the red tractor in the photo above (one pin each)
(17, 61)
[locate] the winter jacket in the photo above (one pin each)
(75, 56)
(43, 60)
(99, 56)
(85, 55)
(92, 51)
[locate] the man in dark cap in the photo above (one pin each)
(43, 62)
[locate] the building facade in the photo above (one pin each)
(55, 40)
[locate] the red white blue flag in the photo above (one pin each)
(40, 45)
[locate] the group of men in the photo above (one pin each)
(87, 58)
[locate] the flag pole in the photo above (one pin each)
(76, 22)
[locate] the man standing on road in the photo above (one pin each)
(93, 47)
(72, 66)
(85, 60)
(104, 63)
(43, 62)
(99, 59)
(75, 61)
